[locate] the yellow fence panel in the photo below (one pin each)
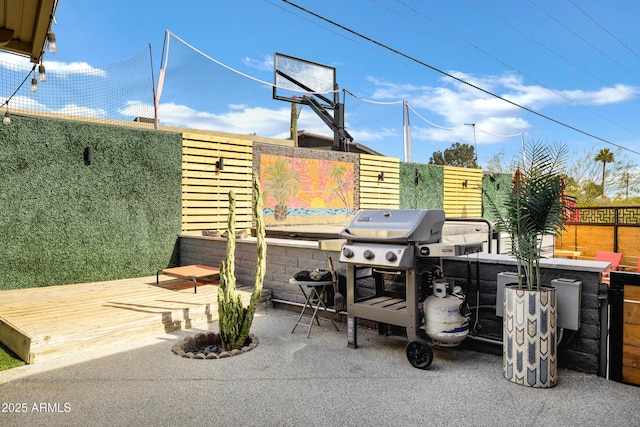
(212, 166)
(379, 182)
(462, 192)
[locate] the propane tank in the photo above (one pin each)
(446, 319)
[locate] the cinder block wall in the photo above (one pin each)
(283, 261)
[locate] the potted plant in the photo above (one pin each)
(537, 206)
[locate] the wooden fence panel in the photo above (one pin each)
(462, 192)
(629, 245)
(205, 188)
(587, 239)
(631, 335)
(378, 193)
(597, 230)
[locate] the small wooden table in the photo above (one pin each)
(193, 272)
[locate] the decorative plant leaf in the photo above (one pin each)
(536, 206)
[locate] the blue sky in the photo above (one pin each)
(575, 61)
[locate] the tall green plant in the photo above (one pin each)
(536, 206)
(234, 319)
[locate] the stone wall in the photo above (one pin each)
(579, 350)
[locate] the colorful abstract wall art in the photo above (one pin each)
(306, 191)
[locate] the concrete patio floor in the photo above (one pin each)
(289, 380)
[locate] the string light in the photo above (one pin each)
(42, 76)
(51, 42)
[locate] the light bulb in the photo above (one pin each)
(42, 73)
(51, 42)
(34, 85)
(6, 120)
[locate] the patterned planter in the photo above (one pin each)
(529, 339)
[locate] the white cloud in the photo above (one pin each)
(386, 90)
(78, 110)
(263, 64)
(368, 135)
(241, 119)
(74, 68)
(237, 106)
(455, 104)
(30, 104)
(14, 59)
(604, 96)
(247, 120)
(25, 103)
(137, 109)
(51, 66)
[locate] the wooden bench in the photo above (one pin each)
(193, 272)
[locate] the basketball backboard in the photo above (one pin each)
(295, 77)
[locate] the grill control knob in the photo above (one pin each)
(368, 254)
(348, 253)
(390, 256)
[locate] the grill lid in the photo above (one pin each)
(395, 226)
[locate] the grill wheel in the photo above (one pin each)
(419, 354)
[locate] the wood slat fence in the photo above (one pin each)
(611, 229)
(378, 193)
(462, 192)
(631, 335)
(205, 188)
(624, 327)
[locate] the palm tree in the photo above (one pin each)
(281, 182)
(605, 156)
(342, 186)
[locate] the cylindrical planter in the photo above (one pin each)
(529, 336)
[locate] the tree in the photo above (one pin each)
(590, 192)
(462, 155)
(605, 156)
(497, 163)
(621, 177)
(628, 181)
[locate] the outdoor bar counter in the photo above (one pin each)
(582, 350)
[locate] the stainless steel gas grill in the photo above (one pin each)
(402, 250)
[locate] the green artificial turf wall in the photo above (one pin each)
(64, 221)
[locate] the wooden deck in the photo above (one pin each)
(40, 323)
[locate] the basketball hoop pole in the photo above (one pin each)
(341, 137)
